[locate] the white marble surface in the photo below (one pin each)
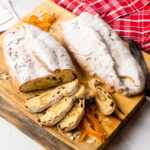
(13, 139)
(134, 136)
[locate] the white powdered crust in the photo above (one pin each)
(52, 65)
(99, 50)
(90, 51)
(49, 98)
(50, 52)
(22, 64)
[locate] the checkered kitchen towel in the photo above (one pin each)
(129, 18)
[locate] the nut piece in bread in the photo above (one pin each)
(73, 118)
(49, 98)
(104, 101)
(57, 112)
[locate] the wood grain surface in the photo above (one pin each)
(12, 109)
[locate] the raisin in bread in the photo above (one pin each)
(100, 51)
(26, 69)
(51, 97)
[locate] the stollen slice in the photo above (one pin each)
(49, 98)
(104, 101)
(57, 112)
(73, 118)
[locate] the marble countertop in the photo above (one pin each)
(134, 136)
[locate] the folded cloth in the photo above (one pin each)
(130, 19)
(7, 16)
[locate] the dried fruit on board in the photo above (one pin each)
(44, 23)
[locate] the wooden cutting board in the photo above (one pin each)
(11, 101)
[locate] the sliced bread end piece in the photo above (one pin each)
(104, 101)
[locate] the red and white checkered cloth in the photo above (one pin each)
(129, 18)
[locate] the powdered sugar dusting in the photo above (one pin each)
(23, 66)
(49, 51)
(125, 63)
(92, 54)
(99, 50)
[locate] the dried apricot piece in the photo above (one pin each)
(45, 29)
(45, 17)
(43, 25)
(33, 19)
(52, 18)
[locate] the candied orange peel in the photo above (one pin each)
(44, 23)
(91, 126)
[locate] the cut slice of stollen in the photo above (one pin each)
(57, 112)
(73, 118)
(49, 98)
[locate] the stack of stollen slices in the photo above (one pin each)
(64, 104)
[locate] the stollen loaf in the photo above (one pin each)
(22, 48)
(99, 50)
